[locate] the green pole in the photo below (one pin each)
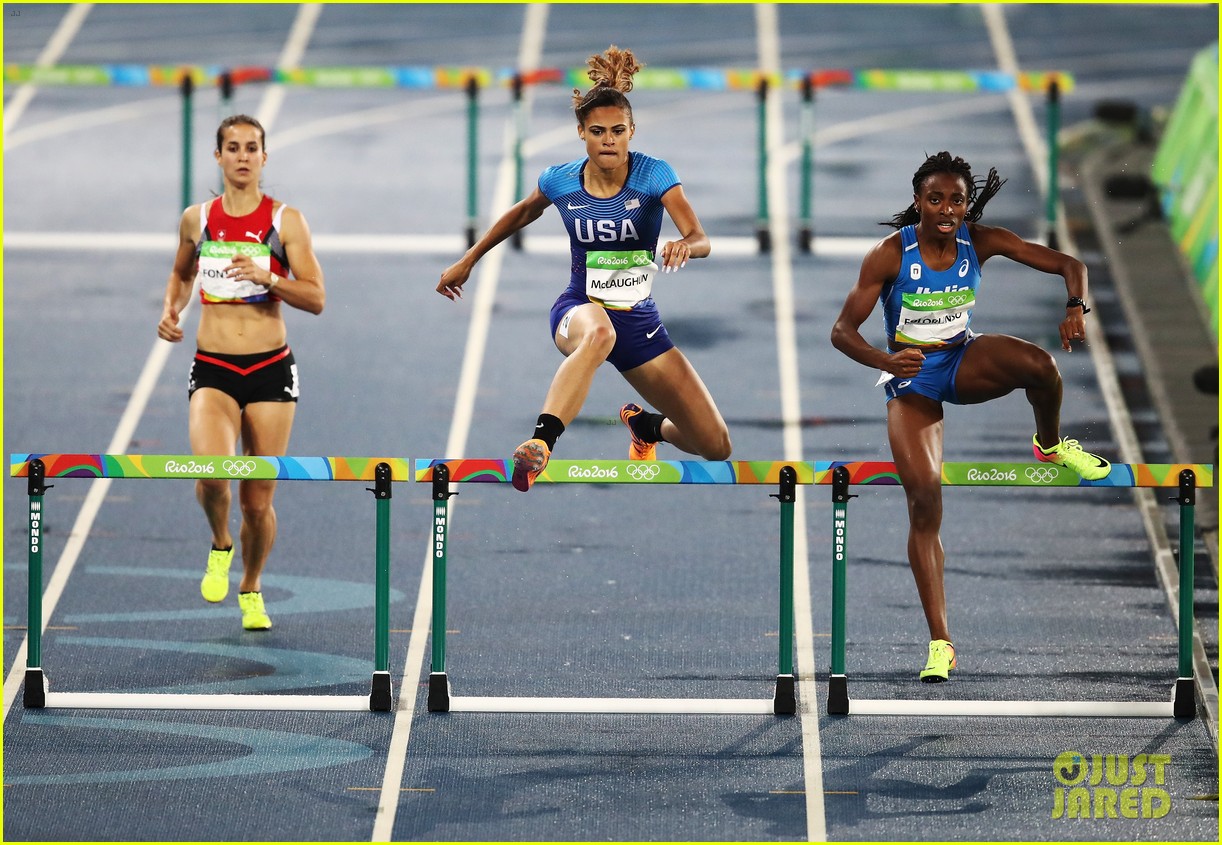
(807, 128)
(837, 685)
(1187, 500)
(187, 86)
(787, 497)
(380, 692)
(519, 130)
(381, 652)
(472, 158)
(34, 692)
(225, 102)
(840, 521)
(762, 234)
(1054, 127)
(36, 490)
(441, 507)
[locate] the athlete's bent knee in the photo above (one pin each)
(718, 450)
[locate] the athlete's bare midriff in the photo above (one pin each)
(241, 329)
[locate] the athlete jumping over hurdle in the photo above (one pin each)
(242, 246)
(611, 201)
(926, 275)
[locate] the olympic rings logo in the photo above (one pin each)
(240, 468)
(956, 300)
(1042, 474)
(643, 472)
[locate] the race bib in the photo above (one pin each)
(934, 319)
(215, 286)
(619, 280)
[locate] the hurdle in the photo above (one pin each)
(37, 468)
(1185, 478)
(784, 475)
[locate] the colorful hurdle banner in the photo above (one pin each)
(786, 475)
(1184, 477)
(39, 467)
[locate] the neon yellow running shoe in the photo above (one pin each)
(1070, 454)
(941, 661)
(254, 617)
(215, 584)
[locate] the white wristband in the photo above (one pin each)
(275, 281)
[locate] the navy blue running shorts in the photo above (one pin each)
(639, 334)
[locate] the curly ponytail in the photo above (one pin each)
(611, 72)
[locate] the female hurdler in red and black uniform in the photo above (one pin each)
(249, 253)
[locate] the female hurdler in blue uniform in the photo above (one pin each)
(611, 202)
(927, 275)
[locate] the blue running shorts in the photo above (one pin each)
(639, 333)
(936, 380)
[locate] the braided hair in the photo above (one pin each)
(611, 72)
(979, 191)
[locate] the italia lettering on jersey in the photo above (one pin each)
(931, 309)
(609, 236)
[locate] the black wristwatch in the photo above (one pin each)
(1076, 302)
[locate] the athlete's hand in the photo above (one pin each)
(168, 328)
(674, 256)
(906, 363)
(452, 280)
(244, 269)
(1073, 327)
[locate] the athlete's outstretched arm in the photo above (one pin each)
(521, 215)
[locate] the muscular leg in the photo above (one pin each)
(914, 426)
(994, 365)
(265, 431)
(214, 423)
(589, 341)
(671, 384)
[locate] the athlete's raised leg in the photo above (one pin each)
(692, 422)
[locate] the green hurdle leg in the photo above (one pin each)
(380, 692)
(1185, 706)
(35, 693)
(439, 684)
(838, 688)
(1054, 128)
(783, 699)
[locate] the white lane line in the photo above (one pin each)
(530, 52)
(91, 120)
(72, 21)
(768, 35)
(119, 443)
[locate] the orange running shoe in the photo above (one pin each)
(529, 459)
(638, 449)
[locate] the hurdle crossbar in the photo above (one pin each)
(1184, 477)
(37, 468)
(786, 475)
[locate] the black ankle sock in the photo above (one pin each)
(548, 429)
(647, 426)
(216, 548)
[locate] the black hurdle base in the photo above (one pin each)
(1184, 704)
(380, 693)
(838, 695)
(439, 693)
(35, 694)
(784, 700)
